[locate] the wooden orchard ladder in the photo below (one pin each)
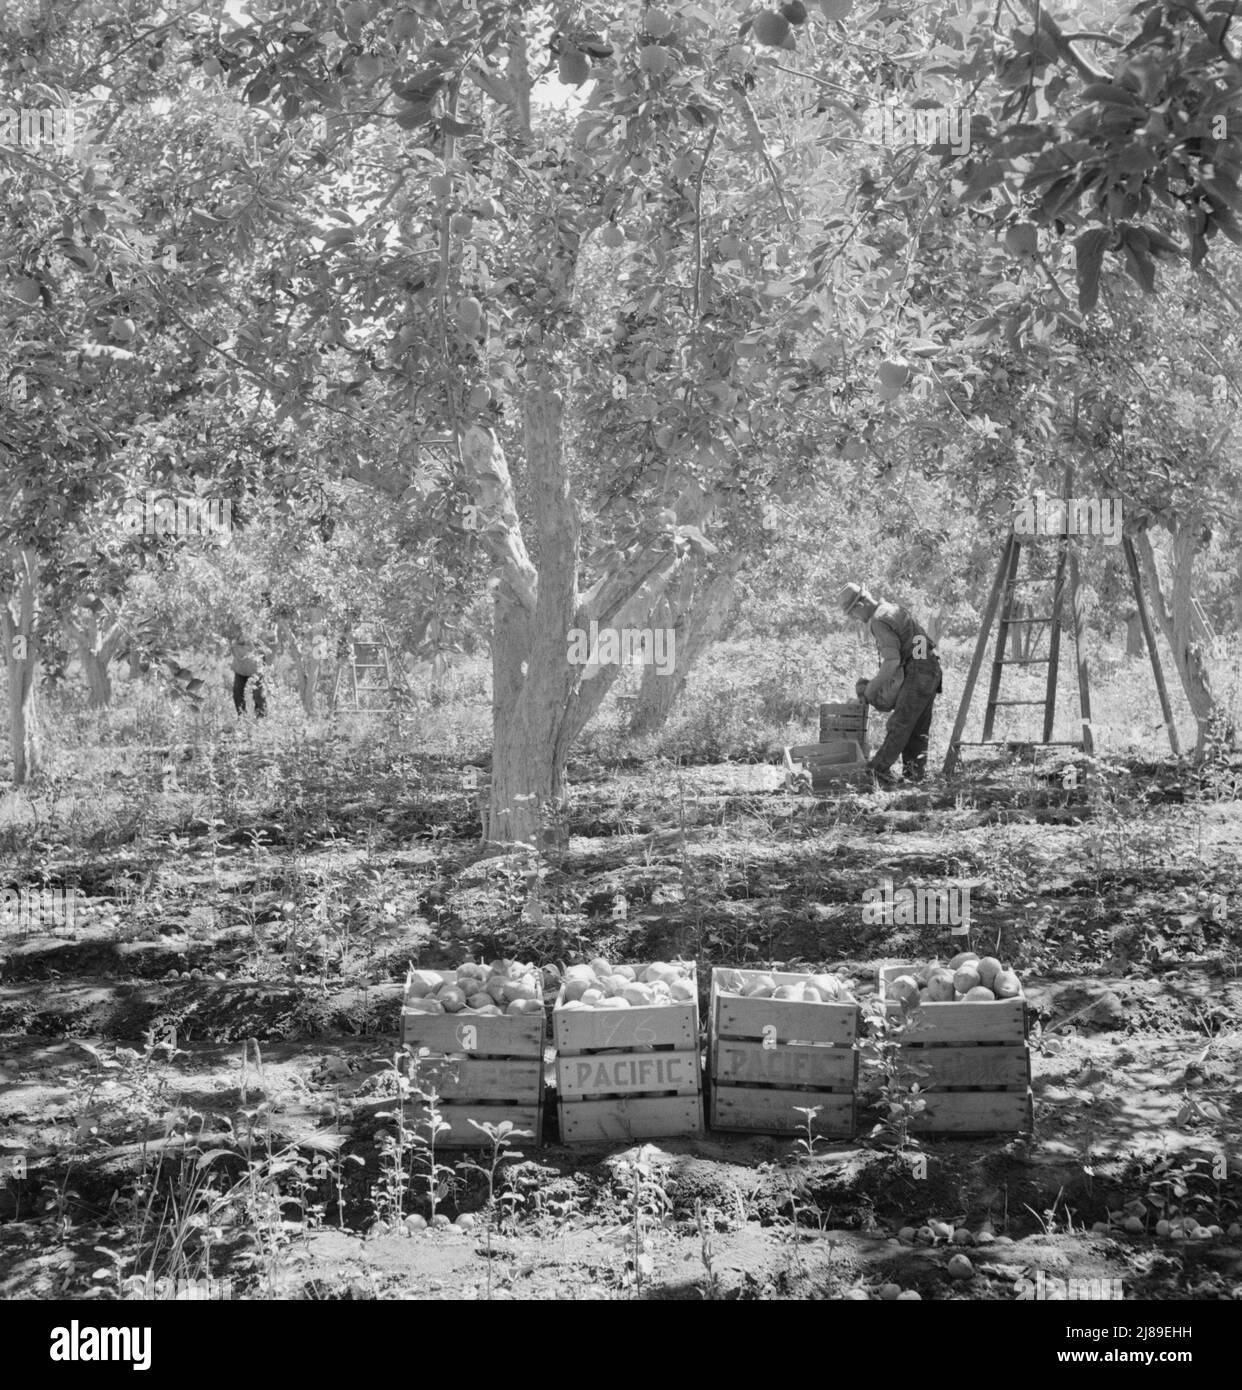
(367, 655)
(1002, 597)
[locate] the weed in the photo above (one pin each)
(494, 1208)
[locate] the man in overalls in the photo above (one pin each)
(908, 681)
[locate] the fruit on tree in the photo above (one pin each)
(612, 235)
(771, 28)
(573, 67)
(794, 11)
(461, 224)
(469, 313)
(894, 371)
(440, 185)
(654, 59)
(657, 24)
(1022, 239)
(122, 329)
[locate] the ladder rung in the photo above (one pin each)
(1013, 622)
(1005, 742)
(1024, 661)
(995, 703)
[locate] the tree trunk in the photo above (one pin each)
(308, 661)
(95, 654)
(21, 658)
(696, 622)
(1180, 624)
(540, 700)
(532, 679)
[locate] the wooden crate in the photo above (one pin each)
(972, 1060)
(482, 1067)
(830, 764)
(769, 1056)
(626, 1074)
(837, 721)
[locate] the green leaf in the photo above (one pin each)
(1089, 250)
(1111, 94)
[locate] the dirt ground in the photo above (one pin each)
(197, 1075)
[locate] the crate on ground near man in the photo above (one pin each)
(830, 764)
(844, 721)
(486, 1067)
(628, 1071)
(772, 1057)
(971, 1058)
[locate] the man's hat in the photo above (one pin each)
(851, 596)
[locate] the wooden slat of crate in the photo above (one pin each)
(660, 1025)
(737, 1017)
(817, 756)
(776, 1111)
(462, 1134)
(594, 1030)
(997, 1068)
(600, 1074)
(750, 1064)
(509, 1035)
(630, 1118)
(463, 1079)
(975, 1112)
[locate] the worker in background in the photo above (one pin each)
(908, 681)
(247, 666)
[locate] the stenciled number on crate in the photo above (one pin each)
(17, 1166)
(467, 1037)
(1069, 778)
(920, 648)
(769, 1037)
(470, 779)
(918, 1167)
